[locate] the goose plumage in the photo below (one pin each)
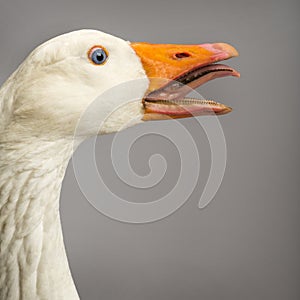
(40, 106)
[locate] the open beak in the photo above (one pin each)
(173, 70)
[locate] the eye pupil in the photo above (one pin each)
(98, 56)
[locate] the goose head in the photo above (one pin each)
(60, 80)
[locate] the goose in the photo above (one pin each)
(40, 106)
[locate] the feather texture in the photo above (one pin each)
(40, 107)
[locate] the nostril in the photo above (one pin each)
(182, 55)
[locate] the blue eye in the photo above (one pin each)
(97, 55)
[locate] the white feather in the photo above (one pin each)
(41, 105)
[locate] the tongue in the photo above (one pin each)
(183, 84)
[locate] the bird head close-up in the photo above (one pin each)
(61, 79)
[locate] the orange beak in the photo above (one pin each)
(173, 70)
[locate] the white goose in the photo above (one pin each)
(40, 105)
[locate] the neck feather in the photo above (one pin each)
(33, 262)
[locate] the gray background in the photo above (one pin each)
(245, 244)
